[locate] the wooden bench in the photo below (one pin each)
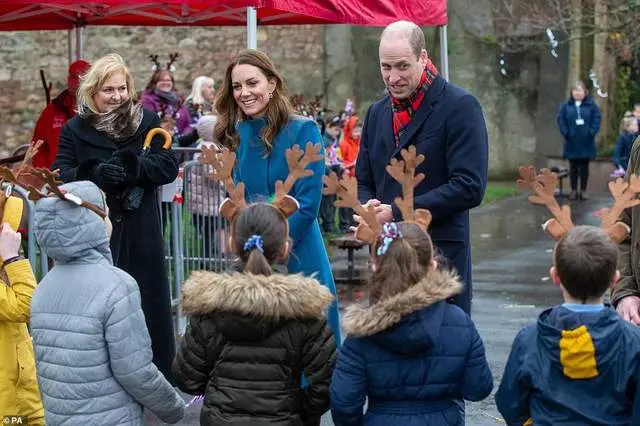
(353, 276)
(349, 243)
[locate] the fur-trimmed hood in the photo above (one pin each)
(275, 297)
(406, 309)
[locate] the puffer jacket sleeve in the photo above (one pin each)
(512, 398)
(131, 357)
(348, 386)
(190, 367)
(15, 296)
(477, 382)
(319, 356)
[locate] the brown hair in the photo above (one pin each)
(581, 85)
(155, 77)
(404, 264)
(278, 110)
(585, 259)
(269, 223)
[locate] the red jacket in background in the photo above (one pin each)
(48, 128)
(349, 147)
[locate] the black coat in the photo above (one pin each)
(136, 242)
(249, 340)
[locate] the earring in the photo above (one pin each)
(270, 95)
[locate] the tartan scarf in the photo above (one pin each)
(403, 109)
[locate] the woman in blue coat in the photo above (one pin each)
(579, 122)
(256, 121)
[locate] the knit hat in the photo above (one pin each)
(205, 126)
(79, 67)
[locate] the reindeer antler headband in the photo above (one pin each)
(170, 66)
(50, 188)
(544, 185)
(404, 171)
(224, 161)
(6, 175)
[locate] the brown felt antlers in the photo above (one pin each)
(544, 184)
(7, 175)
(223, 163)
(49, 185)
(347, 191)
(401, 170)
(404, 171)
(297, 160)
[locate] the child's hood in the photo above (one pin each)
(580, 343)
(68, 232)
(410, 321)
(251, 307)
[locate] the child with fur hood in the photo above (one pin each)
(92, 346)
(416, 357)
(253, 335)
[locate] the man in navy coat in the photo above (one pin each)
(446, 124)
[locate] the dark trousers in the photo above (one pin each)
(579, 168)
(328, 213)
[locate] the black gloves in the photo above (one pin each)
(108, 174)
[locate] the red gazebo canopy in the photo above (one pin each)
(21, 15)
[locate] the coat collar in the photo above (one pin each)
(274, 297)
(89, 135)
(366, 321)
(432, 96)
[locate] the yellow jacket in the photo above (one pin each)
(19, 392)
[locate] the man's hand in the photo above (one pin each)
(9, 242)
(629, 309)
(384, 213)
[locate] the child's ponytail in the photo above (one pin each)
(260, 234)
(256, 263)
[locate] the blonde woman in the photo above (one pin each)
(200, 100)
(103, 144)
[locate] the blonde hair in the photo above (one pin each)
(196, 90)
(627, 121)
(102, 70)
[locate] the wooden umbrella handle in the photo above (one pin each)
(158, 131)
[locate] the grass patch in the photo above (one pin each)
(497, 191)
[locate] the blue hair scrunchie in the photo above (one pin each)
(254, 242)
(389, 233)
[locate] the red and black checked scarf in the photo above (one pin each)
(403, 109)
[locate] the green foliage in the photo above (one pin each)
(622, 102)
(497, 191)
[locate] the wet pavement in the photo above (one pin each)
(511, 260)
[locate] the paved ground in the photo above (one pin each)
(511, 259)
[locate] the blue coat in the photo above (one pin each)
(623, 149)
(415, 356)
(259, 174)
(449, 129)
(539, 384)
(579, 140)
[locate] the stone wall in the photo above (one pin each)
(297, 50)
(337, 60)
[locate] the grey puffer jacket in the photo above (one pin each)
(92, 347)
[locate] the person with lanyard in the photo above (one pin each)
(443, 122)
(579, 122)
